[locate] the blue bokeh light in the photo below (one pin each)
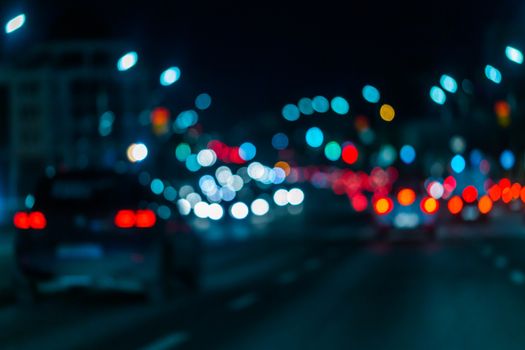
(457, 164)
(280, 141)
(203, 101)
(320, 104)
(247, 151)
(407, 154)
(514, 54)
(507, 159)
(438, 95)
(305, 106)
(290, 112)
(314, 137)
(170, 76)
(371, 94)
(340, 105)
(493, 74)
(448, 83)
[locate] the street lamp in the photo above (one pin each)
(15, 23)
(127, 61)
(170, 76)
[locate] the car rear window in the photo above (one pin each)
(92, 192)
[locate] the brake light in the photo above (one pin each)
(127, 218)
(455, 205)
(35, 220)
(429, 205)
(495, 192)
(485, 204)
(145, 218)
(383, 206)
(406, 196)
(470, 194)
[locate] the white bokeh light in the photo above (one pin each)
(259, 207)
(239, 210)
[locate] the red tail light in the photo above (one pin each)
(141, 218)
(125, 219)
(429, 205)
(145, 218)
(35, 220)
(383, 205)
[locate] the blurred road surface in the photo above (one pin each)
(309, 293)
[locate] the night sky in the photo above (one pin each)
(256, 56)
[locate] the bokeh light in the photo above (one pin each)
(290, 112)
(350, 154)
(332, 151)
(514, 54)
(203, 101)
(448, 83)
(169, 76)
(387, 112)
(280, 141)
(247, 151)
(314, 137)
(457, 164)
(340, 105)
(493, 74)
(127, 61)
(437, 95)
(407, 154)
(507, 159)
(320, 104)
(371, 94)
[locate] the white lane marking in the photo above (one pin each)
(517, 277)
(312, 264)
(169, 341)
(501, 262)
(242, 302)
(287, 277)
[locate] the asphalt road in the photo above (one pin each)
(453, 293)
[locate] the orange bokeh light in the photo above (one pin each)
(406, 196)
(485, 204)
(455, 205)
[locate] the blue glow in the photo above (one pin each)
(371, 94)
(157, 186)
(203, 101)
(457, 164)
(170, 76)
(340, 105)
(437, 95)
(507, 159)
(476, 157)
(290, 112)
(247, 151)
(448, 83)
(407, 154)
(314, 137)
(15, 23)
(186, 119)
(192, 164)
(280, 141)
(127, 61)
(305, 106)
(514, 54)
(320, 104)
(492, 74)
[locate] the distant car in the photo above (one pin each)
(408, 213)
(99, 229)
(469, 206)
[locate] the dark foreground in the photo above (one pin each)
(454, 293)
